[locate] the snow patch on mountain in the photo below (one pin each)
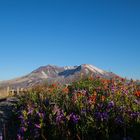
(69, 67)
(44, 74)
(95, 69)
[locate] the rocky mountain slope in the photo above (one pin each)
(51, 74)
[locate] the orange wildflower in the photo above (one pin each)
(65, 90)
(102, 97)
(91, 78)
(79, 94)
(137, 93)
(92, 98)
(54, 85)
(50, 89)
(94, 93)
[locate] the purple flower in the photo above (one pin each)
(137, 102)
(41, 115)
(135, 115)
(1, 137)
(21, 117)
(30, 111)
(113, 89)
(119, 120)
(74, 118)
(110, 105)
(47, 103)
(100, 105)
(83, 112)
(38, 126)
(22, 130)
(18, 137)
(105, 116)
(102, 116)
(60, 118)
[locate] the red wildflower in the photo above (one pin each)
(137, 93)
(65, 90)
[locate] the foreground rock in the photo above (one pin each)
(6, 115)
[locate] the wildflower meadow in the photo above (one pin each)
(90, 109)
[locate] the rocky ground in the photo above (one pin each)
(6, 118)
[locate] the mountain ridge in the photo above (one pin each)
(53, 73)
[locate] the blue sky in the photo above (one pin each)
(105, 33)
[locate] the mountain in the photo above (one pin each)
(51, 74)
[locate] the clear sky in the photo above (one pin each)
(105, 33)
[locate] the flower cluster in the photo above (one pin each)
(92, 108)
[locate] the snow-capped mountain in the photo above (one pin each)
(51, 74)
